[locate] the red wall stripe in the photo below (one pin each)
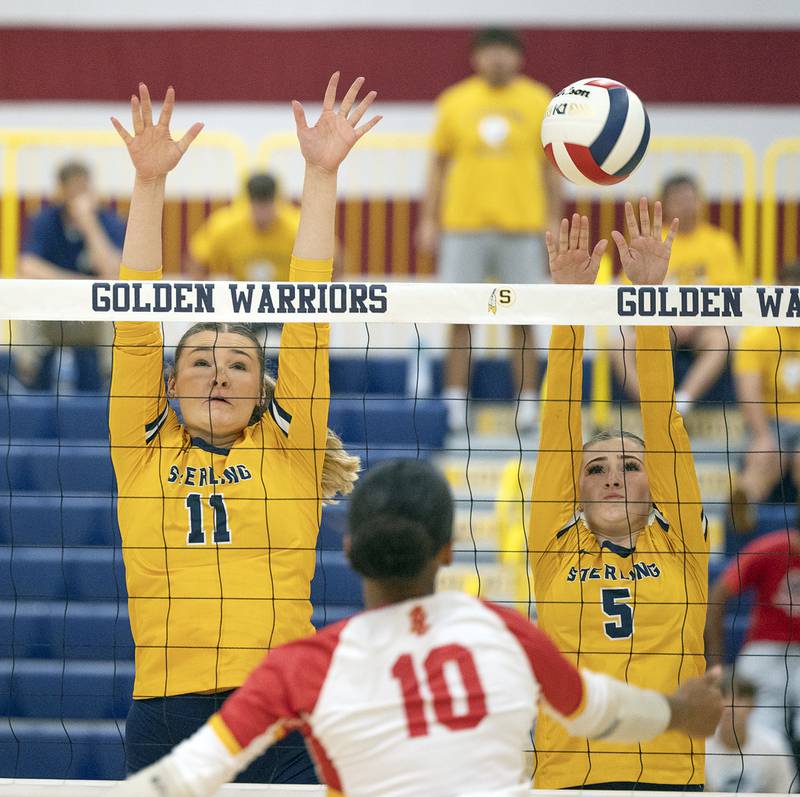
(405, 64)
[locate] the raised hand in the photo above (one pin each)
(645, 255)
(326, 144)
(152, 149)
(570, 262)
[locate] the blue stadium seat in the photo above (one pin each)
(327, 615)
(335, 582)
(52, 469)
(73, 689)
(375, 375)
(28, 416)
(52, 520)
(87, 750)
(36, 629)
(332, 529)
(56, 573)
(396, 421)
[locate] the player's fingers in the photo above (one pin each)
(147, 105)
(367, 126)
(550, 244)
(657, 220)
(563, 236)
(630, 221)
(189, 136)
(123, 133)
(644, 217)
(330, 92)
(622, 245)
(361, 109)
(599, 250)
(350, 97)
(136, 115)
(713, 675)
(299, 116)
(574, 231)
(165, 116)
(673, 231)
(583, 234)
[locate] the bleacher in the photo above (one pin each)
(66, 652)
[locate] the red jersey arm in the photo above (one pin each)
(282, 690)
(560, 682)
(746, 570)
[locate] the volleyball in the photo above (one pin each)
(595, 131)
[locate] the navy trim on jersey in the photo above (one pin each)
(198, 442)
(619, 550)
(564, 529)
(151, 429)
(660, 519)
(280, 416)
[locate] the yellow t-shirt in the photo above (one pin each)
(492, 137)
(636, 614)
(219, 545)
(774, 354)
(705, 256)
(230, 244)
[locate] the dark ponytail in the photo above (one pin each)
(400, 517)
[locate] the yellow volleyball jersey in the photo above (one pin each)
(230, 244)
(219, 545)
(706, 256)
(774, 354)
(492, 138)
(637, 614)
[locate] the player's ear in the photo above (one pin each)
(171, 385)
(346, 544)
(445, 556)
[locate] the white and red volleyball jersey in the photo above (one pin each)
(429, 696)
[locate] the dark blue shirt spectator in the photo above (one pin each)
(62, 244)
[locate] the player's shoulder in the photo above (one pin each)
(757, 337)
(708, 232)
(229, 218)
(538, 91)
(288, 212)
(782, 540)
(460, 92)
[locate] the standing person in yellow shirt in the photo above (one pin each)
(766, 368)
(617, 535)
(701, 255)
(251, 239)
(489, 198)
(219, 512)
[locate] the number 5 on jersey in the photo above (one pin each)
(197, 535)
(460, 660)
(614, 606)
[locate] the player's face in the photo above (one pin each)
(683, 202)
(218, 383)
(497, 63)
(614, 490)
(263, 214)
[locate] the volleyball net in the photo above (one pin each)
(66, 649)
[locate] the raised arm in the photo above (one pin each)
(138, 405)
(669, 461)
(302, 395)
(555, 483)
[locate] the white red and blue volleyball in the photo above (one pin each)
(595, 131)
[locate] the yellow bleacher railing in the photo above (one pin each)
(383, 243)
(781, 169)
(14, 142)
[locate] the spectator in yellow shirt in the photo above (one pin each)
(767, 373)
(252, 239)
(489, 198)
(701, 255)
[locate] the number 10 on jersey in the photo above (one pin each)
(460, 661)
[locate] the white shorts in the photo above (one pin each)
(508, 258)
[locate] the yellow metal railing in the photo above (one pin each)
(377, 214)
(14, 142)
(781, 171)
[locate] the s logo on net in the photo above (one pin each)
(502, 297)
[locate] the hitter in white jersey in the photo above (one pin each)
(423, 693)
